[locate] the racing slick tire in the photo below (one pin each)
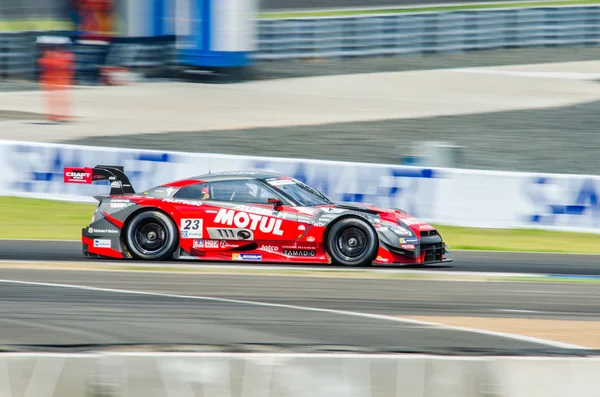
(352, 242)
(151, 235)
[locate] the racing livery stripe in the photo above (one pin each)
(113, 220)
(182, 183)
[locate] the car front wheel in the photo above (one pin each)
(352, 242)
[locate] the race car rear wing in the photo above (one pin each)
(119, 182)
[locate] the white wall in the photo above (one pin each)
(294, 375)
(444, 196)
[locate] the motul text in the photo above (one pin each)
(250, 221)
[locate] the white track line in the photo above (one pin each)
(112, 266)
(308, 309)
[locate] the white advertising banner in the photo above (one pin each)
(490, 199)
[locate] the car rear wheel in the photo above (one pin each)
(151, 235)
(352, 242)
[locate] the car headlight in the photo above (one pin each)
(400, 231)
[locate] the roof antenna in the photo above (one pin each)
(209, 160)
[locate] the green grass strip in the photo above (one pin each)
(528, 240)
(463, 7)
(26, 25)
(46, 219)
(43, 219)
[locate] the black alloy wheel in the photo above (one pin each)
(151, 235)
(352, 242)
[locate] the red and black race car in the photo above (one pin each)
(248, 216)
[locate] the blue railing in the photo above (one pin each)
(425, 33)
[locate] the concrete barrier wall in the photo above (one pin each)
(438, 195)
(293, 375)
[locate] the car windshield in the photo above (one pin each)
(298, 191)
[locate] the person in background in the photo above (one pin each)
(57, 69)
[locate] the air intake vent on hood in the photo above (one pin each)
(429, 233)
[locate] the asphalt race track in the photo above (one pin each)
(274, 5)
(58, 307)
(465, 261)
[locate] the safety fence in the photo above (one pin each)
(444, 196)
(293, 375)
(17, 56)
(151, 56)
(428, 32)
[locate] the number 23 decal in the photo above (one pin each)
(191, 224)
(191, 228)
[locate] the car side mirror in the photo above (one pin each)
(276, 203)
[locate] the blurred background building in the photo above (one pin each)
(140, 36)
